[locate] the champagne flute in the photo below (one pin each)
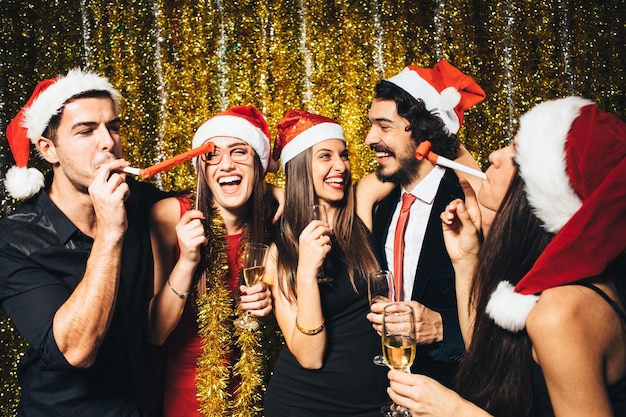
(380, 287)
(399, 345)
(253, 264)
(318, 212)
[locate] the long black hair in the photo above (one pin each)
(423, 124)
(495, 372)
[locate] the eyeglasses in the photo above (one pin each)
(237, 153)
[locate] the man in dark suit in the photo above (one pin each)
(416, 105)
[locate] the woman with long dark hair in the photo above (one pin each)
(326, 367)
(542, 301)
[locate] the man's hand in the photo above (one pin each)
(108, 192)
(428, 323)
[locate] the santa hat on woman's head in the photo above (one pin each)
(241, 122)
(299, 130)
(572, 158)
(445, 90)
(31, 121)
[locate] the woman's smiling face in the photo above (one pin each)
(331, 170)
(231, 182)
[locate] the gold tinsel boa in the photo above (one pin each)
(220, 337)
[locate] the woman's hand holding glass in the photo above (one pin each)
(315, 243)
(256, 299)
(427, 397)
(253, 266)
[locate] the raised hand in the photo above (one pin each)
(314, 245)
(461, 224)
(108, 192)
(191, 236)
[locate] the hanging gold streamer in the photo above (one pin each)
(189, 41)
(258, 348)
(520, 52)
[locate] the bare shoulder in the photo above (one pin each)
(569, 309)
(166, 211)
(369, 190)
(370, 187)
(164, 216)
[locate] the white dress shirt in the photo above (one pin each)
(425, 192)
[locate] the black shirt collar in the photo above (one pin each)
(64, 228)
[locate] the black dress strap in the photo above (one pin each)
(608, 299)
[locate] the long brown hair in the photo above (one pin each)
(259, 206)
(350, 232)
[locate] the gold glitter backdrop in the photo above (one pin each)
(177, 62)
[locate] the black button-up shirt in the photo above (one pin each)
(43, 257)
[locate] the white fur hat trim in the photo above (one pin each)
(441, 105)
(312, 136)
(510, 309)
(235, 127)
(542, 160)
(52, 99)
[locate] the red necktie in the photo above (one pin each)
(398, 244)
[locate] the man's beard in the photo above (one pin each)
(404, 175)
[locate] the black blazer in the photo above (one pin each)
(434, 280)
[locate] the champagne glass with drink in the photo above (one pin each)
(253, 264)
(380, 287)
(318, 212)
(399, 345)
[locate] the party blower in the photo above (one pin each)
(423, 151)
(173, 161)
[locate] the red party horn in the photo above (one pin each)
(423, 152)
(151, 171)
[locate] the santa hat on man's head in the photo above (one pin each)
(241, 122)
(445, 90)
(299, 130)
(572, 158)
(31, 121)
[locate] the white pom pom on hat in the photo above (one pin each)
(47, 100)
(572, 158)
(445, 90)
(508, 308)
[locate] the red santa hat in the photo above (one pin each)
(572, 158)
(241, 122)
(298, 130)
(31, 121)
(445, 90)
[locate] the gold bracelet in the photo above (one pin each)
(309, 332)
(181, 295)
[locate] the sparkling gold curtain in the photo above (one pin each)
(178, 62)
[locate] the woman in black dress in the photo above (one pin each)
(326, 367)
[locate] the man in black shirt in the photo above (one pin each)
(75, 258)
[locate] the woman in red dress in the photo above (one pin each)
(214, 368)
